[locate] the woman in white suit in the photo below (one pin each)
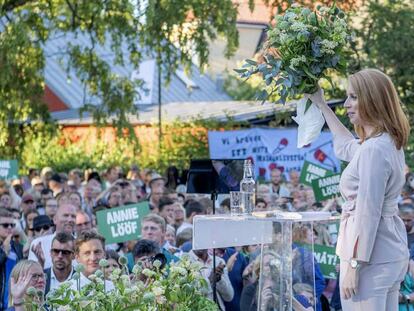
(372, 240)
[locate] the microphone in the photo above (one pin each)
(282, 145)
(322, 157)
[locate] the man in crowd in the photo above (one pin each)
(28, 203)
(166, 210)
(62, 254)
(89, 250)
(294, 184)
(75, 178)
(145, 252)
(153, 228)
(83, 222)
(45, 195)
(278, 191)
(56, 184)
(10, 254)
(42, 225)
(64, 221)
(220, 278)
(51, 206)
(192, 209)
(111, 175)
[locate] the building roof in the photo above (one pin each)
(69, 88)
(252, 111)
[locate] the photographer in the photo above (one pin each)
(145, 253)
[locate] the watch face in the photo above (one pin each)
(354, 263)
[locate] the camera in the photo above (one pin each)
(161, 258)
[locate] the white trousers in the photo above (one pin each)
(378, 287)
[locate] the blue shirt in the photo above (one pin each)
(236, 278)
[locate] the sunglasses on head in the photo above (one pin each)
(65, 252)
(45, 227)
(8, 225)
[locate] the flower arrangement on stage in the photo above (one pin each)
(300, 50)
(178, 287)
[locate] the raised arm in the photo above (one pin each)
(345, 143)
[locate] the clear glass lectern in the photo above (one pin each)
(283, 274)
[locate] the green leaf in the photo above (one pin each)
(240, 70)
(251, 62)
(308, 104)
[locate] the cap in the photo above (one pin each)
(46, 170)
(156, 176)
(27, 197)
(41, 220)
(36, 181)
(56, 178)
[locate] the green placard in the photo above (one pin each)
(327, 259)
(326, 187)
(9, 169)
(122, 223)
(311, 171)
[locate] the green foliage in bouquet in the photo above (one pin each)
(301, 49)
(180, 287)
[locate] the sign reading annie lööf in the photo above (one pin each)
(311, 171)
(8, 169)
(122, 223)
(326, 187)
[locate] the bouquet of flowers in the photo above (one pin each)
(301, 48)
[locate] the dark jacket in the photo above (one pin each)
(6, 265)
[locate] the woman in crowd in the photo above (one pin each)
(26, 274)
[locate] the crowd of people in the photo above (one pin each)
(48, 226)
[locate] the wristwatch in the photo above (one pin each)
(354, 263)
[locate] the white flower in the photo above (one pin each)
(283, 38)
(158, 291)
(296, 61)
(148, 273)
(328, 46)
(299, 26)
(125, 279)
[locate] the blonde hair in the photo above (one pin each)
(20, 268)
(379, 106)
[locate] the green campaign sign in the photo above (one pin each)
(327, 259)
(9, 169)
(311, 171)
(122, 223)
(326, 187)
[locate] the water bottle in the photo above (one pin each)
(248, 188)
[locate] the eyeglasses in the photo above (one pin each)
(65, 252)
(36, 277)
(45, 228)
(28, 201)
(8, 225)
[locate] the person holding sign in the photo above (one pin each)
(372, 242)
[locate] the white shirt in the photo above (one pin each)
(225, 291)
(54, 282)
(109, 286)
(46, 242)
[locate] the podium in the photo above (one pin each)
(283, 273)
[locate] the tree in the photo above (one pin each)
(173, 31)
(387, 36)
